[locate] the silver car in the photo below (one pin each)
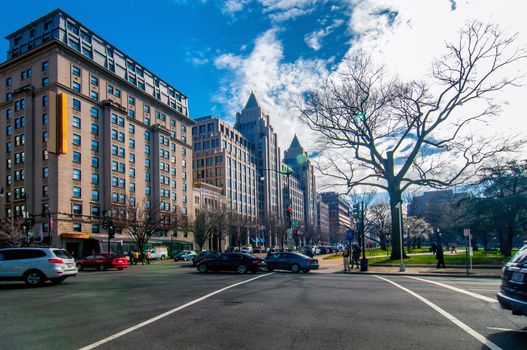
(36, 265)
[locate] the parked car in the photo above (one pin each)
(34, 266)
(205, 254)
(239, 262)
(186, 255)
(103, 261)
(247, 250)
(295, 262)
(513, 291)
(178, 254)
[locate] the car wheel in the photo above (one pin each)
(295, 268)
(79, 267)
(241, 269)
(202, 268)
(306, 270)
(34, 278)
(101, 267)
(162, 257)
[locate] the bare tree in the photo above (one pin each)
(141, 222)
(238, 224)
(12, 232)
(378, 222)
(385, 133)
(203, 226)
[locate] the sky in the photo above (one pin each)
(217, 52)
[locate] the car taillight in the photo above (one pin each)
(310, 261)
(256, 261)
(56, 261)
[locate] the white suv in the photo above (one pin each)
(36, 265)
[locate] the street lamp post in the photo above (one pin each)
(400, 207)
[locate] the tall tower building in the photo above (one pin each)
(296, 158)
(86, 128)
(254, 124)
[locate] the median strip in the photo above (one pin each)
(165, 314)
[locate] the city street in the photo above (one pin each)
(168, 305)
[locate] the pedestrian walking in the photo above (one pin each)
(433, 248)
(148, 257)
(346, 258)
(453, 250)
(136, 257)
(440, 257)
(131, 256)
(355, 256)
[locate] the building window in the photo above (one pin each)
(117, 92)
(45, 172)
(95, 146)
(45, 81)
(95, 178)
(131, 100)
(45, 119)
(76, 208)
(77, 227)
(45, 191)
(76, 105)
(76, 174)
(76, 192)
(131, 113)
(147, 109)
(94, 162)
(132, 157)
(76, 139)
(95, 211)
(45, 65)
(131, 129)
(94, 113)
(94, 80)
(76, 122)
(94, 95)
(94, 129)
(45, 100)
(95, 228)
(75, 71)
(76, 87)
(94, 196)
(8, 82)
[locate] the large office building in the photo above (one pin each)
(339, 215)
(224, 157)
(322, 232)
(254, 124)
(297, 160)
(87, 129)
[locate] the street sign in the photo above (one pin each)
(350, 234)
(466, 232)
(295, 223)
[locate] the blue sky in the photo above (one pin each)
(180, 40)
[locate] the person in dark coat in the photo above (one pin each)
(355, 255)
(440, 256)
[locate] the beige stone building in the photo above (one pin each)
(87, 129)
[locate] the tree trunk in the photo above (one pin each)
(506, 242)
(395, 199)
(382, 241)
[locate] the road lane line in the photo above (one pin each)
(507, 329)
(475, 295)
(165, 314)
(449, 316)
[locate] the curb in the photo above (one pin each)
(419, 274)
(490, 267)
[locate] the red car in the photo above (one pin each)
(103, 261)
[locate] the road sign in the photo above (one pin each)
(289, 233)
(350, 234)
(466, 232)
(295, 223)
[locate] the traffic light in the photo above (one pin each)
(111, 231)
(295, 232)
(356, 210)
(289, 212)
(105, 223)
(30, 222)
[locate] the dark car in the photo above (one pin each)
(206, 254)
(239, 262)
(103, 261)
(294, 262)
(513, 293)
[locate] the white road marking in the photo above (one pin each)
(507, 329)
(479, 296)
(165, 314)
(485, 290)
(449, 316)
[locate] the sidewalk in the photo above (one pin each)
(336, 266)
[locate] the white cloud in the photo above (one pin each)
(277, 10)
(313, 40)
(233, 6)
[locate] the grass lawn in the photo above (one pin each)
(450, 259)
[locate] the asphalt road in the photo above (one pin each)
(187, 310)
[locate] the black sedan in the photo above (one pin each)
(206, 254)
(239, 262)
(513, 294)
(295, 262)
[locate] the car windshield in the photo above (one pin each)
(60, 253)
(520, 257)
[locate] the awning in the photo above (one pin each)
(75, 235)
